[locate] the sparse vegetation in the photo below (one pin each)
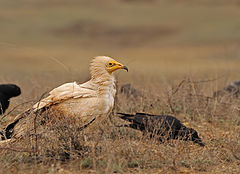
(110, 149)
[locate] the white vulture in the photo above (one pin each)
(89, 102)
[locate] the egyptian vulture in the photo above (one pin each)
(161, 126)
(90, 101)
(7, 91)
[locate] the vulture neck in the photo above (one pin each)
(104, 80)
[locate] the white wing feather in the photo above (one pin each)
(65, 92)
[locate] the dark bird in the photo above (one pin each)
(128, 90)
(231, 90)
(161, 126)
(7, 91)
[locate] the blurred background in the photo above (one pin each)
(46, 43)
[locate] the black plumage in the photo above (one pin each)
(231, 90)
(161, 126)
(128, 90)
(7, 91)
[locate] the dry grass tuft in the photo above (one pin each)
(61, 147)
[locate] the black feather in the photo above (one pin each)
(161, 126)
(7, 91)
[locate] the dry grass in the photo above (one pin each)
(107, 149)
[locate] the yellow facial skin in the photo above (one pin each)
(113, 65)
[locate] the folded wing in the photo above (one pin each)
(65, 92)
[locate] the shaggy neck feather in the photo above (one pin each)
(100, 76)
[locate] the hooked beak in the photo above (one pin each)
(125, 67)
(116, 66)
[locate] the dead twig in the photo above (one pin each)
(208, 80)
(35, 122)
(14, 109)
(16, 149)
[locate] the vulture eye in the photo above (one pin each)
(110, 64)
